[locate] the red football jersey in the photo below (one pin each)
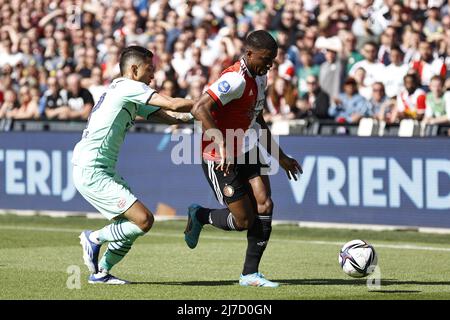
(240, 98)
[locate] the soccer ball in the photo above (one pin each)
(358, 258)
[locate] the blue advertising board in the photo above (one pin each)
(389, 181)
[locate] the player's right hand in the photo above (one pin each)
(224, 164)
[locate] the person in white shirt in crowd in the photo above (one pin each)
(374, 69)
(395, 72)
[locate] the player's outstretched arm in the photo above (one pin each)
(290, 165)
(163, 117)
(169, 103)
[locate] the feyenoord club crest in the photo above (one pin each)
(228, 191)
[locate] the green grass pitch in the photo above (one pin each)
(37, 252)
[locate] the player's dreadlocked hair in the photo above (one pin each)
(261, 39)
(133, 54)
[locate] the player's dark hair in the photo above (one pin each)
(261, 39)
(136, 54)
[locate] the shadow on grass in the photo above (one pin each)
(191, 283)
(315, 282)
(395, 291)
(363, 281)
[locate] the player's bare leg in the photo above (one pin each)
(120, 235)
(140, 216)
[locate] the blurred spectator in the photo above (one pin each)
(363, 89)
(281, 99)
(433, 26)
(315, 102)
(388, 39)
(79, 99)
(428, 66)
(411, 100)
(168, 88)
(9, 105)
(378, 98)
(398, 15)
(110, 66)
(28, 57)
(193, 41)
(197, 71)
(374, 69)
(7, 56)
(28, 104)
(366, 27)
(395, 72)
(388, 111)
(349, 106)
(410, 44)
(332, 71)
(307, 69)
(437, 109)
(195, 89)
(96, 84)
(54, 103)
(349, 52)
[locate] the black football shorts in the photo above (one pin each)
(234, 185)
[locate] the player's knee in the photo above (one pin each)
(265, 207)
(146, 223)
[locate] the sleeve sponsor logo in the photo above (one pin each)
(145, 87)
(224, 87)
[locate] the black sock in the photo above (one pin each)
(219, 218)
(203, 215)
(257, 237)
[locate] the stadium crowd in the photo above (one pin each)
(337, 60)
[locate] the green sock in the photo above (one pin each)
(114, 254)
(121, 230)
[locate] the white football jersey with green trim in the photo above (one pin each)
(110, 118)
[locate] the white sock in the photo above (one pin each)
(94, 237)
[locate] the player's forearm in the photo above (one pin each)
(182, 105)
(169, 103)
(165, 118)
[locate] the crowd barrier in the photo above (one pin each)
(388, 181)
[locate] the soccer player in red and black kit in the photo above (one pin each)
(235, 102)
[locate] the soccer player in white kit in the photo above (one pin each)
(95, 157)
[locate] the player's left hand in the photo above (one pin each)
(291, 166)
